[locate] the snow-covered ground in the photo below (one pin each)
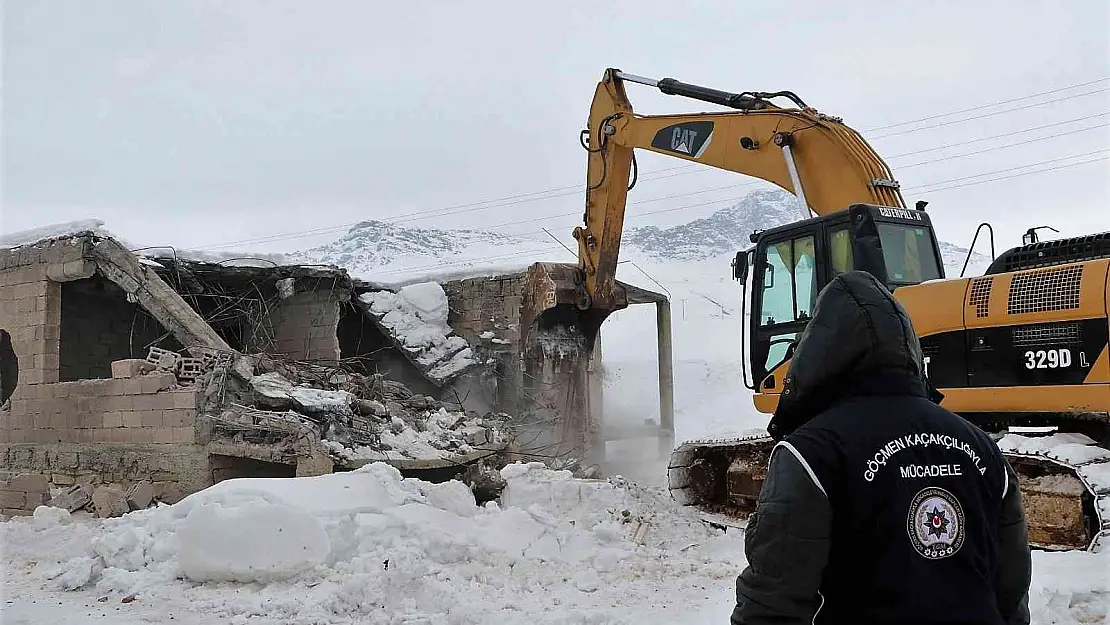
(370, 547)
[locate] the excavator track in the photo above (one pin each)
(720, 477)
(1064, 477)
(1065, 485)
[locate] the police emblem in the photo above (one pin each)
(935, 523)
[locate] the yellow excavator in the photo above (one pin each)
(1021, 350)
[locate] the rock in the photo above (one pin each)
(140, 495)
(485, 482)
(271, 391)
(108, 501)
(172, 496)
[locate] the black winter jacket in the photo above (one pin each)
(879, 506)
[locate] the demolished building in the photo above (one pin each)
(155, 370)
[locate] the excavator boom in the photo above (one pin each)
(824, 163)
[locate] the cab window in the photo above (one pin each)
(840, 250)
(790, 281)
(908, 253)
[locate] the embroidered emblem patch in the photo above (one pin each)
(935, 523)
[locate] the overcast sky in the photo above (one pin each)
(206, 123)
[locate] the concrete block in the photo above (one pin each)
(140, 495)
(109, 501)
(163, 401)
(15, 512)
(131, 368)
(133, 386)
(159, 381)
(62, 479)
(73, 498)
(185, 399)
(161, 435)
(112, 419)
(147, 402)
(183, 434)
(139, 435)
(151, 418)
(178, 418)
(30, 483)
(132, 419)
(12, 498)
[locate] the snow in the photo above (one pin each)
(368, 546)
(234, 258)
(52, 231)
(250, 542)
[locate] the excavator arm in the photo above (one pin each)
(824, 163)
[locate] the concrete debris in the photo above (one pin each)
(140, 495)
(484, 481)
(109, 501)
(415, 321)
(131, 368)
(23, 493)
(72, 499)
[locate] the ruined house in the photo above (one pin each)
(126, 369)
(175, 374)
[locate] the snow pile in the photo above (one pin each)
(368, 546)
(416, 318)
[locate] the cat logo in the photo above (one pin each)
(687, 139)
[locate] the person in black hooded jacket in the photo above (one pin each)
(879, 505)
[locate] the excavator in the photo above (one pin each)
(1021, 351)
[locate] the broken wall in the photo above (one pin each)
(551, 383)
(144, 424)
(302, 326)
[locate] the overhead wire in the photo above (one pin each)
(938, 184)
(685, 169)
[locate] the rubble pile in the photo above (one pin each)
(368, 417)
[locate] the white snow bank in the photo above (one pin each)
(256, 542)
(368, 546)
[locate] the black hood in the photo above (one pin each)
(859, 337)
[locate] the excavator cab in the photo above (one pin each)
(789, 266)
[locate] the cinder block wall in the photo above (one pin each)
(486, 305)
(145, 427)
(132, 410)
(30, 307)
(301, 327)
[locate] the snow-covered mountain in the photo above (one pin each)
(725, 231)
(387, 252)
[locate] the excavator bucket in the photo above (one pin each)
(555, 302)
